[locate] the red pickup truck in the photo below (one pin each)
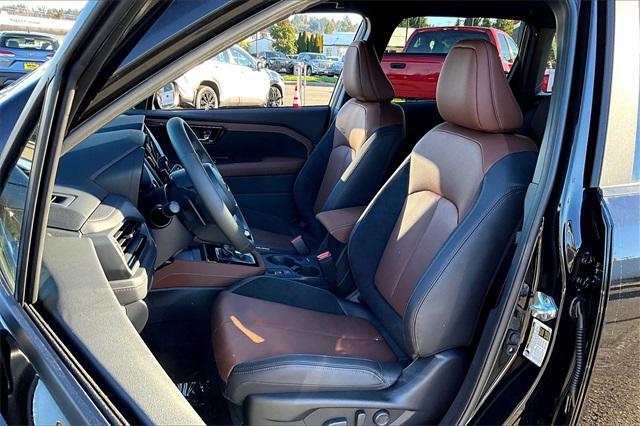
(415, 70)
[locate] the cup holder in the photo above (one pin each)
(297, 266)
(282, 260)
(307, 271)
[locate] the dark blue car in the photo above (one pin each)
(22, 52)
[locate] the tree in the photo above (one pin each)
(300, 22)
(283, 35)
(458, 22)
(416, 22)
(472, 22)
(312, 43)
(345, 25)
(319, 43)
(301, 43)
(245, 44)
(485, 22)
(506, 25)
(330, 28)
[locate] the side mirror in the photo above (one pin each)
(260, 65)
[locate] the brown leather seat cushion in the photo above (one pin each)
(247, 329)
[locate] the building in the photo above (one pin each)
(336, 44)
(264, 43)
(56, 27)
(399, 39)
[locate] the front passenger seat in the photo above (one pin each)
(350, 163)
(423, 257)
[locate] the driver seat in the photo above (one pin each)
(423, 257)
(350, 163)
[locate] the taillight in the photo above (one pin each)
(50, 56)
(545, 82)
(6, 54)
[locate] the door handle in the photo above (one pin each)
(398, 65)
(208, 135)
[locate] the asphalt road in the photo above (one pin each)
(613, 397)
(315, 95)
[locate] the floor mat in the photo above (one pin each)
(206, 400)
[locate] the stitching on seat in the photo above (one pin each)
(376, 338)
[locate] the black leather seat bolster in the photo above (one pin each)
(364, 177)
(498, 206)
(308, 373)
(368, 241)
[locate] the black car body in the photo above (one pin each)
(276, 61)
(90, 172)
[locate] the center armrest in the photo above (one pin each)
(340, 222)
(203, 273)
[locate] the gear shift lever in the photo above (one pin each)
(228, 254)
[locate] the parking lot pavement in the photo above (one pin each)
(315, 95)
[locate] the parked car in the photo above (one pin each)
(22, 52)
(315, 63)
(276, 89)
(231, 78)
(293, 266)
(547, 80)
(276, 61)
(336, 67)
(291, 62)
(414, 71)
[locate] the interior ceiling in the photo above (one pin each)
(537, 13)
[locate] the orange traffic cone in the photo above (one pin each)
(296, 98)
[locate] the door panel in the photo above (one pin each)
(259, 151)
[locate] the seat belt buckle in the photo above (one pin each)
(300, 246)
(328, 268)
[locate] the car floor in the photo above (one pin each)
(184, 351)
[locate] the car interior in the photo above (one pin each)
(319, 265)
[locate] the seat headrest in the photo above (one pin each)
(473, 91)
(362, 74)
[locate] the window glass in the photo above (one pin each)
(418, 47)
(513, 47)
(549, 75)
(504, 47)
(222, 57)
(294, 62)
(242, 58)
(440, 42)
(29, 42)
(12, 202)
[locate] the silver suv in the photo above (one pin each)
(231, 78)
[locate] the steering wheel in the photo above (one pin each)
(215, 196)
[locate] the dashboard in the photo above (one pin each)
(97, 196)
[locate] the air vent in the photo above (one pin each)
(131, 241)
(61, 199)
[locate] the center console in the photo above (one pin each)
(206, 265)
(295, 267)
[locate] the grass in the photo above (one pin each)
(313, 79)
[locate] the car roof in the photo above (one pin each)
(454, 28)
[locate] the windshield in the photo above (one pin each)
(29, 41)
(440, 42)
